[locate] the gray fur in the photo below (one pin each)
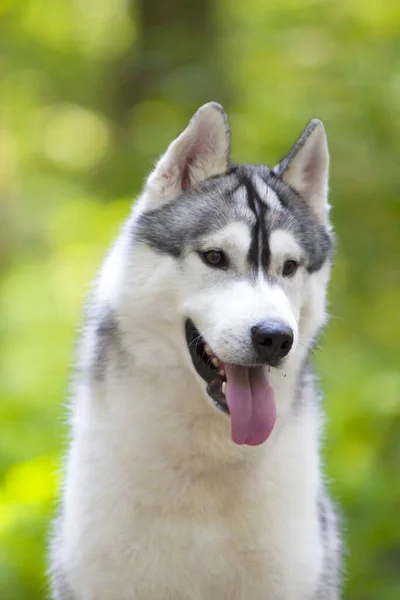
(196, 212)
(60, 587)
(308, 390)
(309, 233)
(107, 340)
(285, 162)
(330, 581)
(329, 585)
(101, 343)
(212, 205)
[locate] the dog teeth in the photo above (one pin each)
(207, 349)
(215, 361)
(221, 372)
(223, 387)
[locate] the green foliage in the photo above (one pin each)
(76, 142)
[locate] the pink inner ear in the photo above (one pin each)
(185, 175)
(196, 150)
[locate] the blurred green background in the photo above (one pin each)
(91, 92)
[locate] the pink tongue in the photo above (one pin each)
(251, 403)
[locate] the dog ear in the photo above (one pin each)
(201, 150)
(306, 168)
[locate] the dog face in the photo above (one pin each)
(250, 246)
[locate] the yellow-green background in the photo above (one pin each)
(91, 92)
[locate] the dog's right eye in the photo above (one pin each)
(289, 268)
(215, 258)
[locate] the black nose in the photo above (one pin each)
(272, 340)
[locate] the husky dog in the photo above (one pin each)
(193, 471)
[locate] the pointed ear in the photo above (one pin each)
(202, 150)
(306, 168)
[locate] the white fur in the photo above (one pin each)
(283, 246)
(159, 503)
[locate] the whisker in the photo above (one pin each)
(196, 339)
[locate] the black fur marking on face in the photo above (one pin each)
(254, 250)
(296, 217)
(174, 227)
(259, 253)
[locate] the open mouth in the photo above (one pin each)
(208, 366)
(243, 392)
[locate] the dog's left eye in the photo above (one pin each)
(215, 258)
(289, 268)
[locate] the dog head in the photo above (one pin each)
(249, 250)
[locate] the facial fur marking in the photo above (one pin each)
(298, 219)
(234, 239)
(265, 193)
(259, 254)
(284, 246)
(272, 200)
(239, 195)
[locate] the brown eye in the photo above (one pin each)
(289, 268)
(214, 258)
